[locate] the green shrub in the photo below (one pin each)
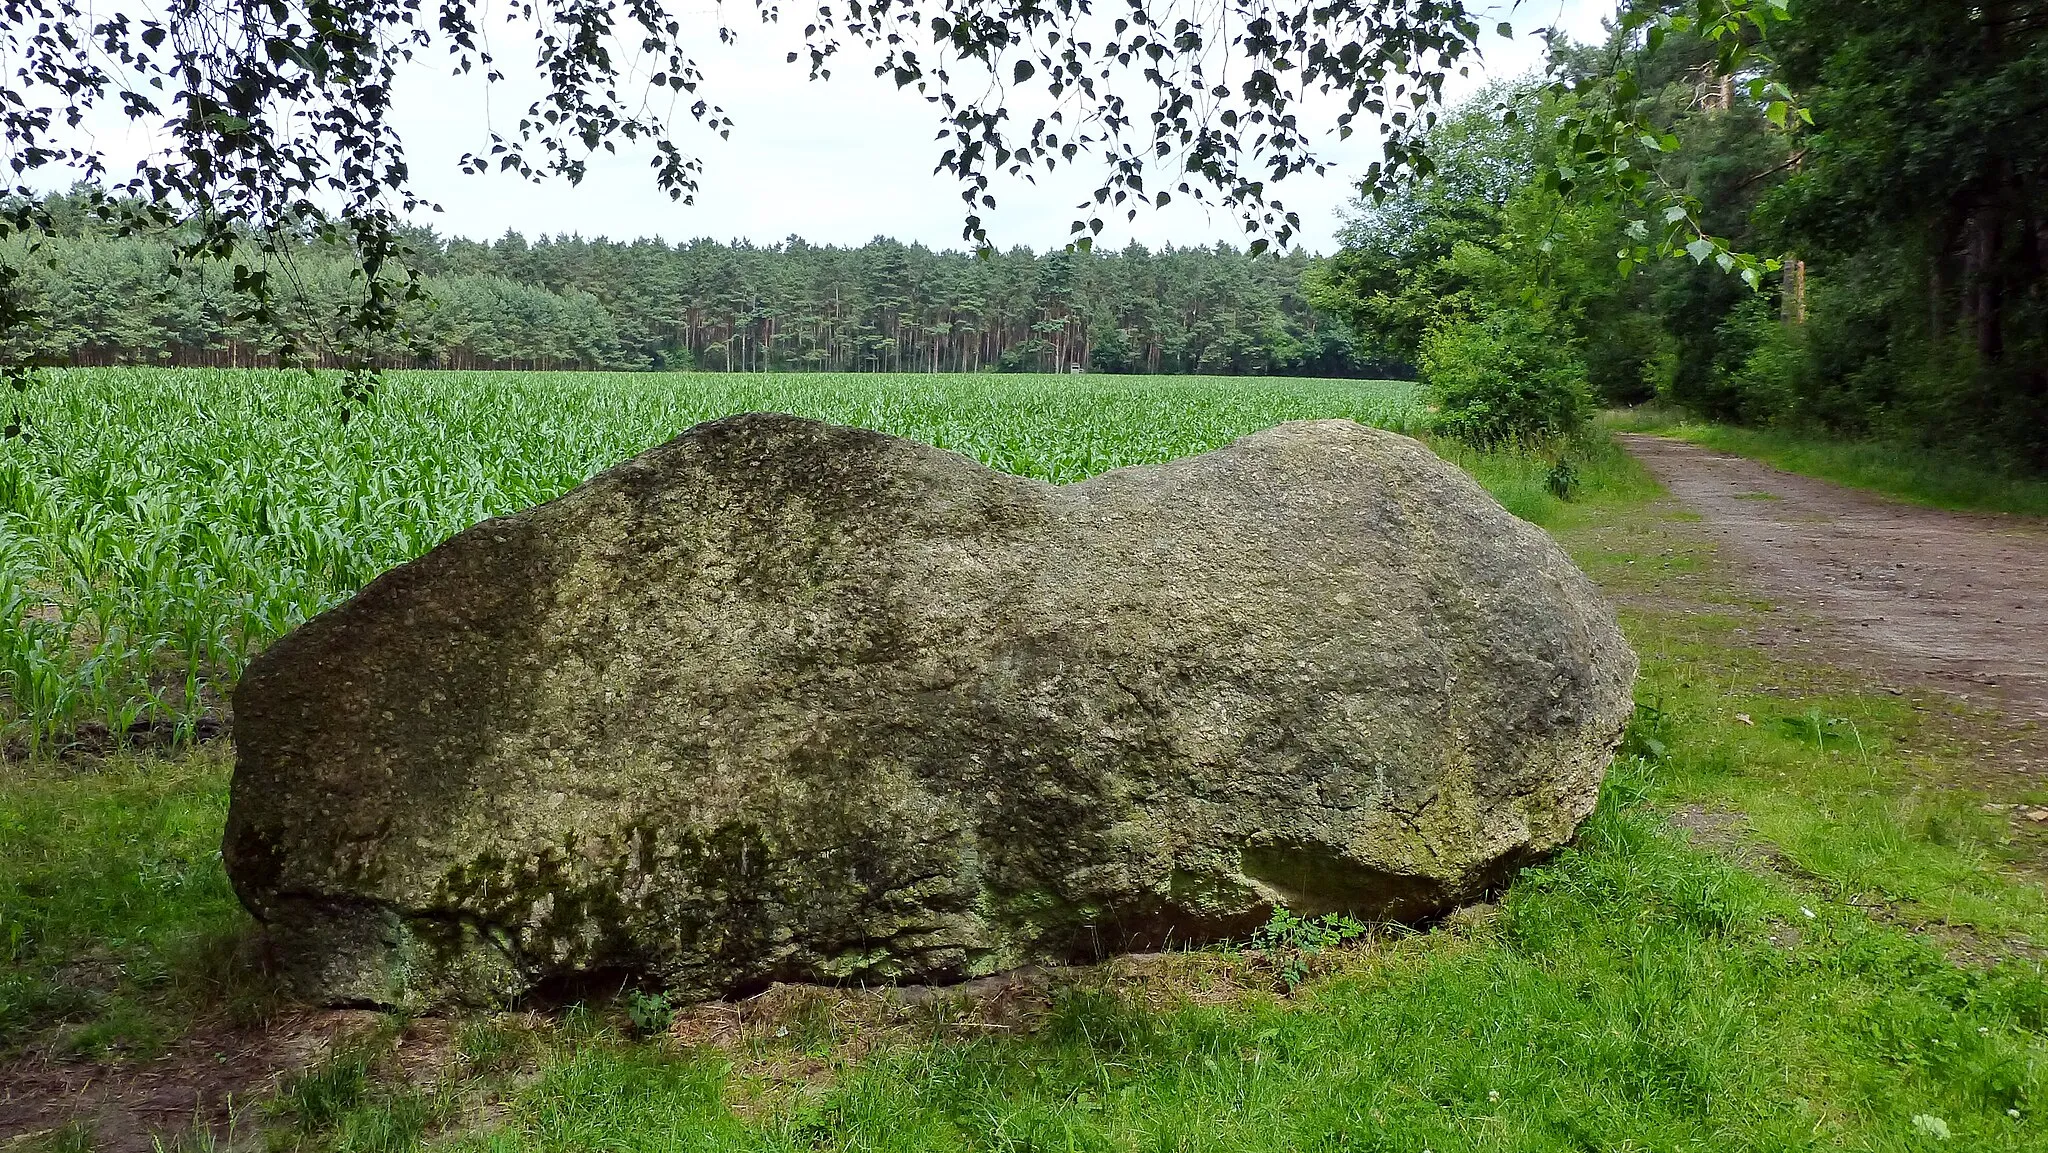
(1629, 357)
(1769, 370)
(1505, 376)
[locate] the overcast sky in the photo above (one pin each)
(836, 162)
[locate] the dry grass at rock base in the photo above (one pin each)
(791, 1034)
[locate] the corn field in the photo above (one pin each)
(158, 527)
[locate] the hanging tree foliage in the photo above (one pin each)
(275, 115)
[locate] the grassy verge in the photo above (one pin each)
(1908, 472)
(117, 925)
(1544, 483)
(1753, 946)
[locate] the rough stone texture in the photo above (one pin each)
(780, 700)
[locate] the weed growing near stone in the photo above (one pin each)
(650, 1013)
(1291, 942)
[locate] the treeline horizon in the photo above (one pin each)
(569, 302)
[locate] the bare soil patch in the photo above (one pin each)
(202, 1083)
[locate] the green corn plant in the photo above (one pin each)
(174, 522)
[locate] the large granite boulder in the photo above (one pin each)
(780, 700)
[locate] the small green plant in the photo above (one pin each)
(1290, 941)
(1648, 736)
(649, 1013)
(1563, 479)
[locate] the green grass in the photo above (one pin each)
(1638, 992)
(1634, 993)
(1873, 797)
(1909, 472)
(1521, 477)
(1825, 777)
(116, 921)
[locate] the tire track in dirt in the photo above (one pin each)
(1958, 601)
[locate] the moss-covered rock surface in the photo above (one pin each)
(781, 700)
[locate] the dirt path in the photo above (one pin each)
(199, 1085)
(1900, 592)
